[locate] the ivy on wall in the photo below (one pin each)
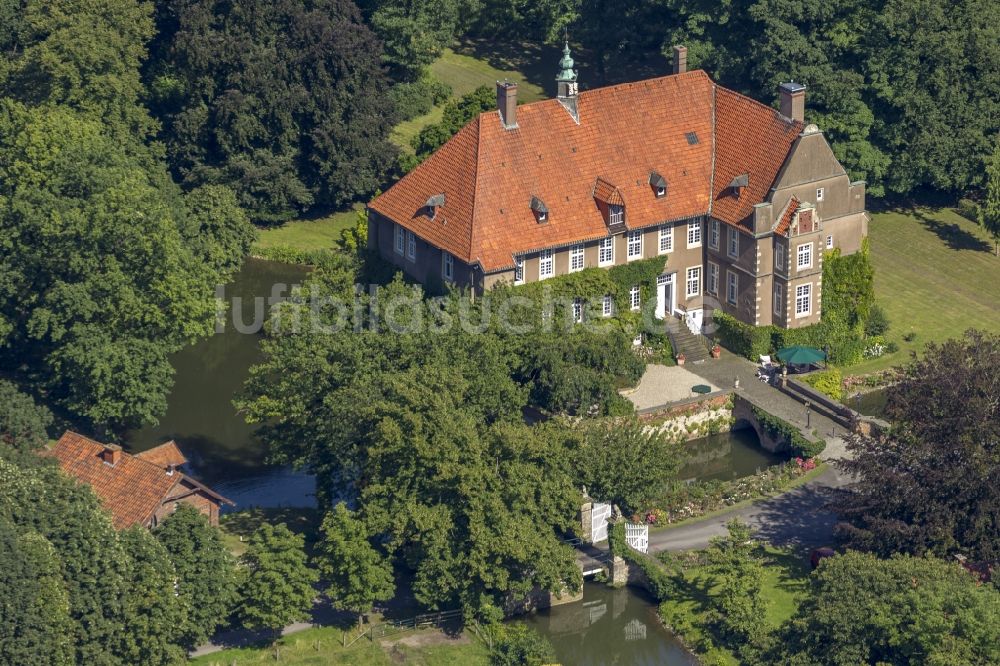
(848, 298)
(779, 429)
(592, 284)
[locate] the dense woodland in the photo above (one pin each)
(140, 142)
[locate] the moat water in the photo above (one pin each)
(610, 626)
(221, 446)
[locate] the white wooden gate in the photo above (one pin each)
(599, 522)
(637, 537)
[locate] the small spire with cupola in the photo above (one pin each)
(566, 83)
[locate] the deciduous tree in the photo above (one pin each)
(154, 613)
(205, 569)
(284, 101)
(278, 588)
(989, 209)
(23, 423)
(35, 626)
(929, 483)
(357, 575)
(624, 462)
(904, 610)
(736, 562)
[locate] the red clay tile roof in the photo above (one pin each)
(132, 489)
(785, 221)
(164, 456)
(608, 193)
(673, 125)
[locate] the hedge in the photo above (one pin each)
(781, 430)
(828, 382)
(661, 581)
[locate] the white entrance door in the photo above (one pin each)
(664, 296)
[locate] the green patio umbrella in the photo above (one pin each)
(800, 355)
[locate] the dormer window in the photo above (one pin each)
(433, 203)
(540, 210)
(659, 184)
(738, 183)
(616, 214)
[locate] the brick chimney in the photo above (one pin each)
(111, 454)
(680, 59)
(793, 101)
(507, 103)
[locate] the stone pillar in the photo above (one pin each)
(619, 571)
(586, 522)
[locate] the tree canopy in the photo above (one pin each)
(929, 483)
(71, 583)
(278, 586)
(205, 572)
(903, 610)
(284, 101)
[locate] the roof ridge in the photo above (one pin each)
(788, 121)
(474, 234)
(715, 144)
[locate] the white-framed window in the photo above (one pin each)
(518, 270)
(634, 245)
(411, 246)
(694, 233)
(576, 258)
(732, 287)
(616, 214)
(577, 310)
(779, 256)
(779, 301)
(713, 278)
(713, 234)
(447, 266)
(606, 251)
(819, 193)
(803, 300)
(734, 243)
(829, 242)
(400, 239)
(607, 306)
(804, 256)
(545, 265)
(666, 239)
(634, 298)
(693, 281)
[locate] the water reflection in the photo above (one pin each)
(726, 456)
(200, 415)
(610, 626)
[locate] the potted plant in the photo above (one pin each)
(680, 359)
(716, 351)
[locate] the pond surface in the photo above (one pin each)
(610, 627)
(726, 456)
(871, 403)
(221, 447)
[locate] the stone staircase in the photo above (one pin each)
(685, 342)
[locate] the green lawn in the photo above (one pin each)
(306, 235)
(464, 73)
(323, 647)
(786, 580)
(935, 275)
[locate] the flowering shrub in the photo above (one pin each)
(875, 346)
(806, 464)
(696, 499)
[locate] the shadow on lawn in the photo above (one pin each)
(954, 236)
